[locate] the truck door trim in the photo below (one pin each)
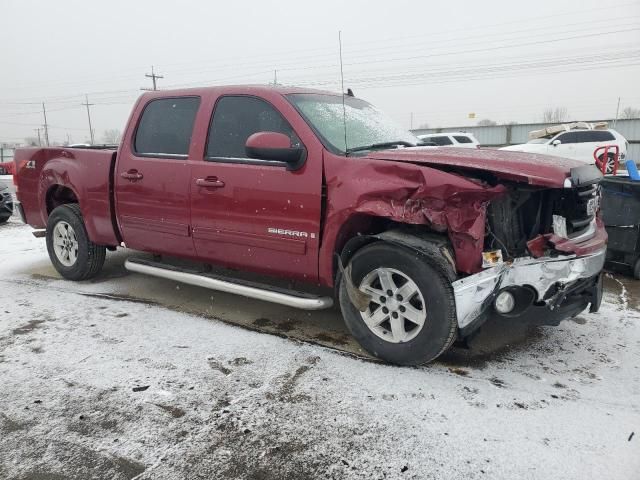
(288, 245)
(179, 229)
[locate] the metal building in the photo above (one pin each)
(503, 135)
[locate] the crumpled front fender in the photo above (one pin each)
(410, 194)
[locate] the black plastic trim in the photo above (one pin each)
(585, 175)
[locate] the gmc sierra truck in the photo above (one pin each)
(419, 245)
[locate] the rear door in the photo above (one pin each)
(152, 177)
(256, 215)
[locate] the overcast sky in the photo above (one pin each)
(503, 60)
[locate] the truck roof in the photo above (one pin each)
(235, 89)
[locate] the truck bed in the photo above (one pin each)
(46, 177)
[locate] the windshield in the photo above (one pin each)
(538, 140)
(366, 125)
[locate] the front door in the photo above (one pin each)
(568, 146)
(252, 214)
(152, 178)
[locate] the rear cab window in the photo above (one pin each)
(165, 127)
(235, 118)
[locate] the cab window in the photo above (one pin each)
(235, 119)
(165, 127)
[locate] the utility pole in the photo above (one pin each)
(411, 120)
(153, 78)
(39, 141)
(87, 104)
(617, 111)
(46, 126)
(275, 78)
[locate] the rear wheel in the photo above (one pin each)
(73, 255)
(636, 269)
(411, 317)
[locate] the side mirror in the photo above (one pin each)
(274, 146)
(556, 142)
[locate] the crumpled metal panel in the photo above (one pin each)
(410, 194)
(471, 293)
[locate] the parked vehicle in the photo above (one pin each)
(6, 168)
(451, 139)
(420, 246)
(6, 204)
(579, 144)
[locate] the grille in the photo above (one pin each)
(524, 213)
(579, 206)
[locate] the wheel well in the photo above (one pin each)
(364, 229)
(59, 195)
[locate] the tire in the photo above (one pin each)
(82, 259)
(438, 330)
(4, 218)
(636, 269)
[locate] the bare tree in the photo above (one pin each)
(111, 136)
(554, 115)
(630, 112)
(423, 126)
(485, 122)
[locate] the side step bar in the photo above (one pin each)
(258, 291)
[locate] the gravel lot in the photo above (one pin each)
(133, 377)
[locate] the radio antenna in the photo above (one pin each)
(344, 109)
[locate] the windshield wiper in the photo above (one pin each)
(375, 146)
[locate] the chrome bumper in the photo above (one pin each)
(473, 293)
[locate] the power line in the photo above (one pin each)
(235, 64)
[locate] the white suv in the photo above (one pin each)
(451, 139)
(579, 144)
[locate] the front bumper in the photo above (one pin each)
(562, 287)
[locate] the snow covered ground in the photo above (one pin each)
(95, 386)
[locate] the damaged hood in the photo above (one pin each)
(531, 168)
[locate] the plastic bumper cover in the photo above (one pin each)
(568, 274)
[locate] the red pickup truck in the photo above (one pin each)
(419, 245)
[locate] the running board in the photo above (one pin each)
(258, 291)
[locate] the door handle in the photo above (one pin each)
(210, 182)
(132, 175)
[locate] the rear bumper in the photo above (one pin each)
(562, 287)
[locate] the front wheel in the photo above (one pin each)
(411, 317)
(73, 255)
